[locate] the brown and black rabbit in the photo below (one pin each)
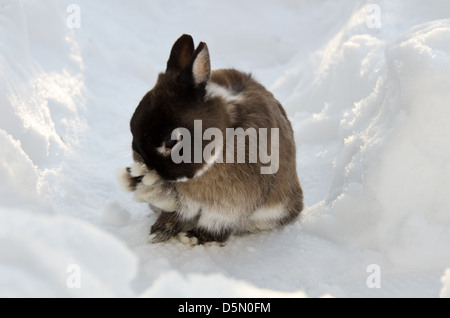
(209, 187)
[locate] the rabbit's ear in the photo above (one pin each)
(181, 54)
(201, 67)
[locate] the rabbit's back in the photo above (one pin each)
(251, 200)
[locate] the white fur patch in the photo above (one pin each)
(183, 238)
(210, 162)
(214, 90)
(150, 178)
(170, 204)
(144, 193)
(189, 208)
(164, 151)
(201, 171)
(265, 217)
(161, 198)
(216, 220)
(123, 178)
(184, 179)
(138, 169)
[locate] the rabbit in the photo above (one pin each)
(208, 199)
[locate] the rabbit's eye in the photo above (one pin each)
(170, 143)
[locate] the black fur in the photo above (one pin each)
(166, 226)
(204, 236)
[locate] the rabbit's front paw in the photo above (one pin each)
(127, 182)
(148, 187)
(160, 194)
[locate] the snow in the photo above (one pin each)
(368, 99)
(445, 291)
(173, 284)
(38, 252)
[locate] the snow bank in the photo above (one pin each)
(42, 256)
(380, 110)
(20, 178)
(40, 102)
(174, 285)
(41, 99)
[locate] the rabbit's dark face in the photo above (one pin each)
(176, 101)
(159, 113)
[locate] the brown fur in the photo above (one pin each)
(227, 198)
